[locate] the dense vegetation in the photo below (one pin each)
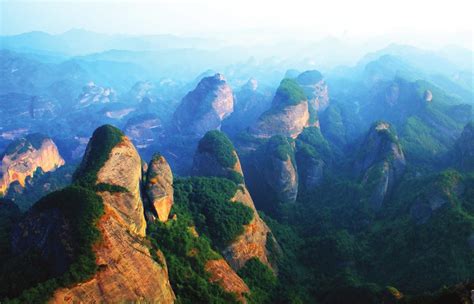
(216, 143)
(26, 278)
(208, 201)
(289, 93)
(344, 251)
(260, 279)
(202, 204)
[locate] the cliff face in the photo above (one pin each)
(280, 171)
(380, 162)
(24, 156)
(465, 148)
(216, 156)
(159, 187)
(288, 115)
(221, 274)
(205, 107)
(316, 90)
(127, 271)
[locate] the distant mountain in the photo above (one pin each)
(79, 42)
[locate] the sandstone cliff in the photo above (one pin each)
(126, 270)
(24, 156)
(380, 162)
(216, 156)
(205, 107)
(288, 115)
(159, 187)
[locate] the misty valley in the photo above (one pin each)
(166, 169)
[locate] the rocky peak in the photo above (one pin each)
(204, 108)
(159, 187)
(380, 161)
(316, 91)
(216, 156)
(24, 156)
(112, 167)
(288, 114)
(465, 148)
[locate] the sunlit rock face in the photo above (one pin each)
(216, 156)
(204, 108)
(24, 156)
(221, 274)
(159, 187)
(288, 115)
(380, 161)
(127, 272)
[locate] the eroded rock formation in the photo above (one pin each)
(24, 156)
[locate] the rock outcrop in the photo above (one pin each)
(159, 187)
(24, 156)
(126, 271)
(204, 108)
(316, 91)
(288, 115)
(465, 148)
(380, 162)
(143, 130)
(216, 156)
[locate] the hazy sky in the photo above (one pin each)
(450, 20)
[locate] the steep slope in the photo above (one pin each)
(288, 114)
(316, 91)
(216, 156)
(465, 148)
(205, 107)
(110, 175)
(24, 156)
(313, 155)
(380, 162)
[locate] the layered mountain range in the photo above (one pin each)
(265, 185)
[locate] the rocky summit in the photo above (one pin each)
(205, 107)
(380, 161)
(288, 114)
(216, 156)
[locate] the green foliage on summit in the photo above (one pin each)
(217, 143)
(104, 139)
(289, 93)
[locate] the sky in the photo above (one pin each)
(432, 20)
